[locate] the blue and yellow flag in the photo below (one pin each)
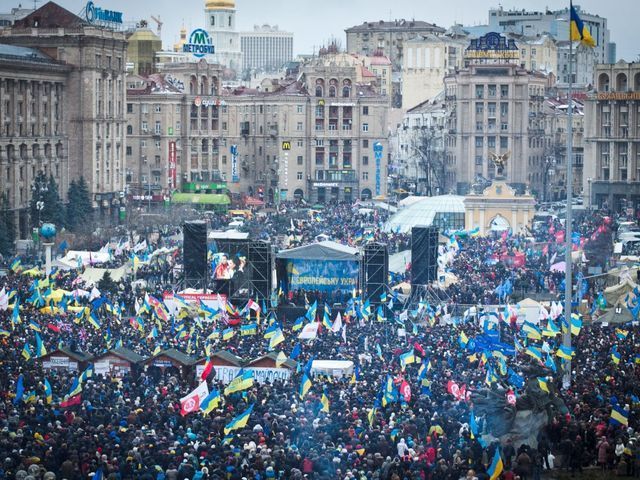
(576, 324)
(48, 392)
(240, 421)
(250, 329)
(615, 355)
(531, 331)
(210, 402)
(41, 350)
(496, 467)
(534, 353)
(243, 381)
(228, 333)
(324, 400)
(26, 352)
(565, 352)
(579, 31)
(544, 386)
(619, 416)
(276, 339)
(305, 385)
(19, 390)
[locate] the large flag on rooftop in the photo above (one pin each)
(579, 31)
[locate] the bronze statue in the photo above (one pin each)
(500, 162)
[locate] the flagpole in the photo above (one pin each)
(568, 290)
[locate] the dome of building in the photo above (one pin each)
(444, 211)
(218, 4)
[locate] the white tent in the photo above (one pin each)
(88, 258)
(92, 276)
(529, 310)
(335, 368)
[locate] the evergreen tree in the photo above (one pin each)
(106, 283)
(7, 227)
(46, 205)
(79, 208)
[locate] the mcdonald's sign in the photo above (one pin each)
(286, 145)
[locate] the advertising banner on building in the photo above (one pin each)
(173, 156)
(322, 275)
(235, 176)
(377, 151)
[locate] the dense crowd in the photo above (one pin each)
(365, 425)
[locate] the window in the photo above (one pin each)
(300, 142)
(504, 90)
(213, 21)
(365, 143)
(491, 142)
(158, 129)
(365, 160)
(143, 144)
(299, 108)
(504, 126)
(319, 142)
(299, 126)
(478, 159)
(504, 108)
(479, 91)
(365, 110)
(129, 151)
(299, 175)
(129, 107)
(157, 108)
(479, 108)
(129, 130)
(365, 176)
(145, 127)
(491, 90)
(504, 142)
(157, 143)
(300, 160)
(479, 142)
(365, 127)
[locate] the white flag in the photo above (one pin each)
(309, 331)
(337, 324)
(344, 333)
(95, 293)
(191, 402)
(4, 300)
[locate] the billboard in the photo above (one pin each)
(322, 275)
(173, 156)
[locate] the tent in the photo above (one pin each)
(335, 368)
(73, 257)
(529, 310)
(92, 276)
(326, 250)
(614, 293)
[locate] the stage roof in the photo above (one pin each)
(326, 250)
(228, 235)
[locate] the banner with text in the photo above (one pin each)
(322, 275)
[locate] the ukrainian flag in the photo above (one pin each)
(94, 320)
(532, 331)
(243, 381)
(26, 352)
(621, 334)
(579, 31)
(33, 325)
(210, 402)
(305, 385)
(534, 353)
(619, 416)
(496, 467)
(615, 355)
(463, 340)
(552, 329)
(564, 352)
(407, 358)
(227, 333)
(48, 392)
(240, 421)
(276, 339)
(542, 382)
(576, 324)
(298, 325)
(324, 400)
(250, 329)
(372, 416)
(41, 350)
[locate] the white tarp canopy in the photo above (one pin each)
(88, 258)
(335, 368)
(92, 276)
(529, 310)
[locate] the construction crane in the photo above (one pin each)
(159, 22)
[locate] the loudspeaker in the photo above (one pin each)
(424, 255)
(195, 254)
(375, 271)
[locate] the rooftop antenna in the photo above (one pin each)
(159, 22)
(35, 4)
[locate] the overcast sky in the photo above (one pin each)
(313, 22)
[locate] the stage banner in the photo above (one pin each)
(322, 275)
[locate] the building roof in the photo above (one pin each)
(424, 211)
(50, 15)
(291, 364)
(77, 356)
(24, 54)
(379, 60)
(396, 25)
(176, 355)
(125, 354)
(326, 250)
(229, 357)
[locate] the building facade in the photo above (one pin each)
(266, 48)
(612, 145)
(289, 139)
(426, 61)
(387, 38)
(494, 108)
(143, 46)
(33, 91)
(94, 103)
(220, 18)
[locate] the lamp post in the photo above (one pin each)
(589, 180)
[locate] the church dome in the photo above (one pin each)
(218, 4)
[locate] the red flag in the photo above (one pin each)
(453, 388)
(190, 404)
(405, 391)
(207, 370)
(511, 397)
(419, 348)
(53, 327)
(70, 402)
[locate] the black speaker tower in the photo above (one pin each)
(375, 271)
(424, 255)
(195, 254)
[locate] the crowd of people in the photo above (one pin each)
(414, 406)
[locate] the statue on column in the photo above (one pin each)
(499, 161)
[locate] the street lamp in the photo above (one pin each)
(589, 180)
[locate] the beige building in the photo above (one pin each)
(538, 53)
(292, 138)
(612, 145)
(33, 138)
(93, 108)
(387, 38)
(495, 108)
(499, 208)
(427, 59)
